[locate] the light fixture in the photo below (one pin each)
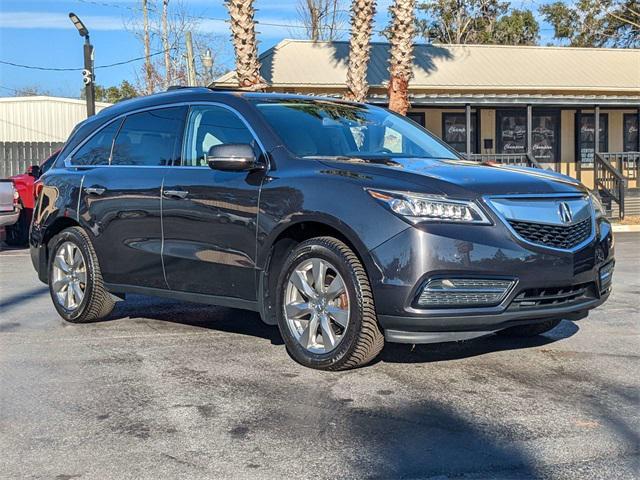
(82, 30)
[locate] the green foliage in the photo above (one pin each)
(595, 23)
(114, 94)
(477, 22)
(520, 27)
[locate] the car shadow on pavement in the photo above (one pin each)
(440, 352)
(249, 323)
(242, 322)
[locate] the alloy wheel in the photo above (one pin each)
(69, 280)
(316, 305)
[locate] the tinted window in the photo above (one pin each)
(312, 128)
(97, 150)
(47, 164)
(150, 138)
(209, 126)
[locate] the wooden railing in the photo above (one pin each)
(627, 163)
(609, 182)
(514, 159)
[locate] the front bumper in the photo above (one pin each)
(407, 261)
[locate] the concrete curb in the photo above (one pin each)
(626, 228)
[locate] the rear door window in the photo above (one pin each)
(97, 150)
(150, 138)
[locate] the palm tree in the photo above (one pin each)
(362, 13)
(243, 34)
(401, 36)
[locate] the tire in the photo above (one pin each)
(360, 340)
(96, 303)
(18, 233)
(530, 330)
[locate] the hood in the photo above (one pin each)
(460, 177)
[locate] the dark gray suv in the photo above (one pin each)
(344, 224)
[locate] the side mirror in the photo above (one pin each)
(232, 157)
(34, 171)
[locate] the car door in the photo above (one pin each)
(209, 217)
(120, 203)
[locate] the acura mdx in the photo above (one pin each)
(343, 223)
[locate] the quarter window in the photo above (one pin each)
(208, 126)
(98, 149)
(150, 138)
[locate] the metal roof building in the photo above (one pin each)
(41, 118)
(578, 74)
(526, 105)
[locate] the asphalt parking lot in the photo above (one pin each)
(176, 390)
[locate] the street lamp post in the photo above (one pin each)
(88, 76)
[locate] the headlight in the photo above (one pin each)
(417, 207)
(597, 204)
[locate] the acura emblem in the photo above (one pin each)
(565, 212)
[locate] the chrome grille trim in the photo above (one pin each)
(536, 219)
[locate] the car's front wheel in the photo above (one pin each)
(75, 280)
(326, 313)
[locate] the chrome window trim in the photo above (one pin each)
(551, 196)
(67, 160)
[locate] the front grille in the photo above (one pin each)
(552, 297)
(556, 236)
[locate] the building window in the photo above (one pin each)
(545, 136)
(586, 137)
(511, 126)
(454, 131)
(417, 117)
(630, 134)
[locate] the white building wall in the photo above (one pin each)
(40, 119)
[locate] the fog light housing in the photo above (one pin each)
(606, 275)
(464, 292)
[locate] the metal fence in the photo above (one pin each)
(15, 157)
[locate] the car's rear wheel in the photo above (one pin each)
(326, 313)
(75, 280)
(530, 330)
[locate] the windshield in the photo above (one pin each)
(324, 128)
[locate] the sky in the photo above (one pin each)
(39, 33)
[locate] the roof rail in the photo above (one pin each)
(214, 88)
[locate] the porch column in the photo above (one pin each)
(596, 148)
(529, 130)
(467, 111)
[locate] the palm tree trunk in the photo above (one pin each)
(362, 13)
(243, 34)
(401, 54)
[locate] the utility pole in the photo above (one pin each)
(88, 76)
(191, 64)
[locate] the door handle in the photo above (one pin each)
(95, 190)
(175, 193)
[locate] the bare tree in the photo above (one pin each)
(322, 19)
(362, 14)
(165, 31)
(165, 43)
(243, 35)
(401, 36)
(147, 48)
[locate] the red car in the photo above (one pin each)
(27, 186)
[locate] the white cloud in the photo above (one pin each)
(34, 20)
